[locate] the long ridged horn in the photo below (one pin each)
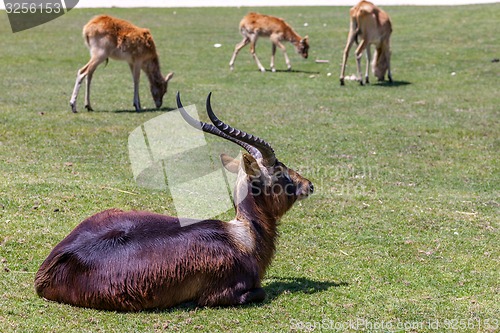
(209, 128)
(265, 149)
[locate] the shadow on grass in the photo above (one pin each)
(275, 287)
(292, 71)
(279, 285)
(392, 84)
(164, 109)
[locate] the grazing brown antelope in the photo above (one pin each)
(110, 37)
(373, 26)
(136, 260)
(255, 25)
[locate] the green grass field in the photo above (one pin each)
(402, 234)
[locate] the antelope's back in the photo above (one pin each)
(127, 260)
(119, 33)
(110, 24)
(263, 25)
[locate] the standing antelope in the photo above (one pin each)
(255, 25)
(373, 25)
(130, 261)
(109, 37)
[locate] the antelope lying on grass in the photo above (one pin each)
(130, 261)
(109, 37)
(254, 25)
(373, 26)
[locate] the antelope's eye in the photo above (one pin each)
(282, 173)
(287, 177)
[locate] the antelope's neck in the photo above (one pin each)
(292, 37)
(153, 72)
(261, 227)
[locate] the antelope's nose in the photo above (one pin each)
(305, 191)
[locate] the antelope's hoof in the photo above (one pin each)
(263, 70)
(73, 108)
(342, 83)
(89, 108)
(361, 82)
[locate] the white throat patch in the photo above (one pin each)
(242, 234)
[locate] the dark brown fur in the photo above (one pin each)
(133, 260)
(130, 261)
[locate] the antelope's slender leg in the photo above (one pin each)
(277, 43)
(90, 74)
(359, 55)
(237, 49)
(253, 40)
(350, 39)
(273, 52)
(389, 75)
(79, 78)
(86, 72)
(368, 62)
(135, 68)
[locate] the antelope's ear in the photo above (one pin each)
(169, 76)
(305, 39)
(229, 163)
(251, 166)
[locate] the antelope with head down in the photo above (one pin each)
(255, 25)
(135, 260)
(373, 26)
(110, 37)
